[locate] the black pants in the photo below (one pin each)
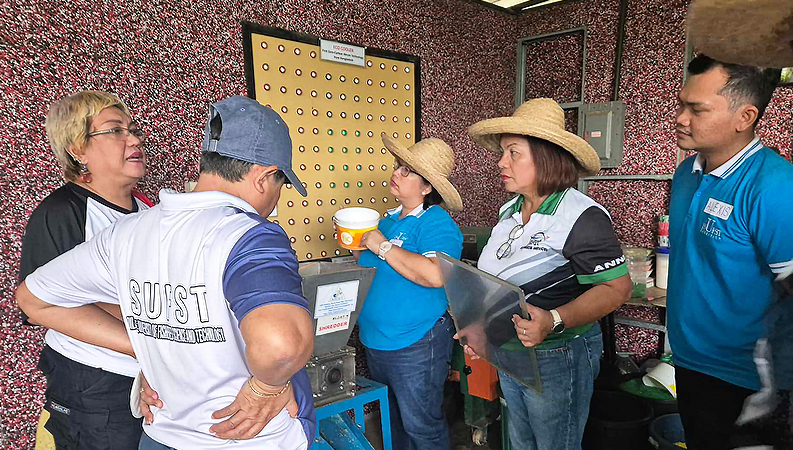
(709, 407)
(89, 407)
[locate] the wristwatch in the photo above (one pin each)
(385, 246)
(558, 324)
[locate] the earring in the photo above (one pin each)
(85, 174)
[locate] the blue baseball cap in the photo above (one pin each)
(254, 133)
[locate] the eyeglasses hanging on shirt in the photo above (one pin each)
(505, 249)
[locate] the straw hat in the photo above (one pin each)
(433, 159)
(747, 32)
(541, 118)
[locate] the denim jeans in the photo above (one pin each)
(415, 376)
(147, 443)
(555, 419)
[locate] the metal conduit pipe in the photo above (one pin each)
(619, 50)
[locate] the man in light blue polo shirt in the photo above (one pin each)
(729, 220)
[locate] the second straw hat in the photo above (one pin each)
(747, 32)
(541, 118)
(433, 159)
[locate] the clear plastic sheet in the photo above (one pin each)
(482, 306)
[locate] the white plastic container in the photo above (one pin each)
(661, 266)
(353, 223)
(662, 375)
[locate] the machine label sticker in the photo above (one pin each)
(329, 324)
(718, 209)
(336, 298)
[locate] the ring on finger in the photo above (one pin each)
(141, 391)
(524, 331)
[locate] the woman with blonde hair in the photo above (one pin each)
(100, 150)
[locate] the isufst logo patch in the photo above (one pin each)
(718, 209)
(608, 265)
(709, 229)
(535, 241)
(399, 239)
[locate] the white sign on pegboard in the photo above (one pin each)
(341, 52)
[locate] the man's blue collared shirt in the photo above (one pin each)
(730, 233)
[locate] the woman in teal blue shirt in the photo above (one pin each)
(404, 325)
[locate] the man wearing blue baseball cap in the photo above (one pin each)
(209, 293)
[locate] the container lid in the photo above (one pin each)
(664, 250)
(636, 253)
(357, 216)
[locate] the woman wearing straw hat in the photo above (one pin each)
(558, 245)
(404, 325)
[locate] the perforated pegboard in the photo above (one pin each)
(335, 113)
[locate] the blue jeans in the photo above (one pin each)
(147, 443)
(415, 376)
(555, 419)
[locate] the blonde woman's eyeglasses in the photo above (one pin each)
(120, 133)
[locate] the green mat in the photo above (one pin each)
(638, 388)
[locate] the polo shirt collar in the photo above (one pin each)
(417, 211)
(548, 206)
(724, 170)
(173, 200)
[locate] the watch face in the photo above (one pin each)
(385, 246)
(558, 328)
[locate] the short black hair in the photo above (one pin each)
(745, 84)
(230, 169)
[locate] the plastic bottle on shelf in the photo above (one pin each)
(661, 266)
(663, 230)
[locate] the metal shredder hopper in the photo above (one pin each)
(335, 294)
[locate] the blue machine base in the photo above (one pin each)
(336, 431)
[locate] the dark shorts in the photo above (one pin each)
(89, 407)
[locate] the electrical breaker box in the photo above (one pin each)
(603, 126)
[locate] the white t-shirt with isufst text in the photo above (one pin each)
(185, 273)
